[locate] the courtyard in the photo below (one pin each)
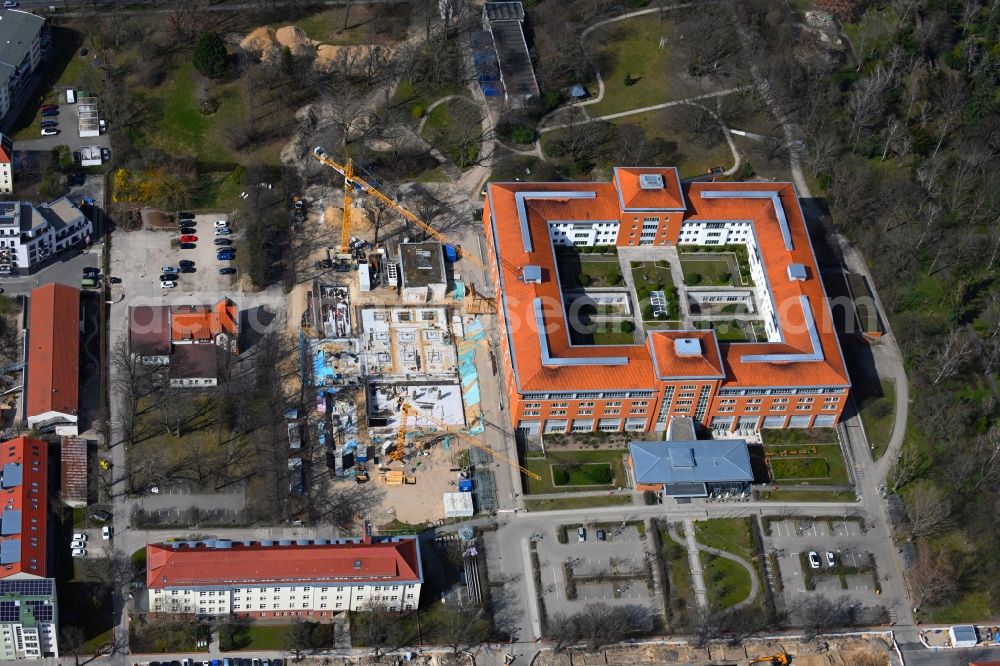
(574, 471)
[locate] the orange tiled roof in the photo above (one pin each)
(633, 196)
(354, 562)
(6, 149)
(202, 323)
(631, 366)
(707, 362)
(53, 349)
(24, 464)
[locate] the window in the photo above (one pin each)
(613, 403)
(803, 408)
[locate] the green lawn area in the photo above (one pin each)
(589, 474)
(878, 413)
(784, 495)
(600, 270)
(726, 582)
(715, 272)
(679, 570)
(454, 127)
(543, 467)
(736, 330)
(973, 606)
(366, 24)
(730, 534)
(576, 502)
(691, 159)
(790, 436)
(648, 276)
(810, 462)
(632, 48)
(268, 637)
(416, 99)
(612, 337)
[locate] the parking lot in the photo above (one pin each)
(854, 575)
(69, 133)
(613, 571)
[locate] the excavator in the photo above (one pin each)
(774, 660)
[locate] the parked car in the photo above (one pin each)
(188, 246)
(105, 154)
(8, 4)
(168, 269)
(222, 231)
(107, 532)
(49, 131)
(188, 238)
(55, 123)
(225, 256)
(49, 112)
(813, 559)
(185, 262)
(602, 535)
(187, 231)
(581, 534)
(188, 269)
(227, 271)
(167, 277)
(223, 241)
(91, 270)
(79, 536)
(79, 552)
(167, 284)
(831, 561)
(185, 215)
(76, 178)
(48, 107)
(115, 280)
(221, 223)
(100, 515)
(78, 544)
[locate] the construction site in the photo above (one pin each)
(391, 341)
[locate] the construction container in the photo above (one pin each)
(450, 254)
(465, 485)
(458, 505)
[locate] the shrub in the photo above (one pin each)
(521, 134)
(583, 280)
(616, 278)
(599, 474)
(210, 57)
(648, 497)
(560, 477)
(725, 277)
(647, 312)
(626, 327)
(694, 278)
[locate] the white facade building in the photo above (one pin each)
(308, 578)
(584, 234)
(22, 41)
(6, 164)
(29, 234)
(28, 618)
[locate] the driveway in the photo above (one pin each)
(69, 134)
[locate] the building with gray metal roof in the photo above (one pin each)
(691, 468)
(21, 46)
(504, 22)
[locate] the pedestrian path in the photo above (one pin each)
(694, 561)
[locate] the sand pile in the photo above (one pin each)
(295, 39)
(354, 59)
(263, 43)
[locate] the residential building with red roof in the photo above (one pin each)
(53, 349)
(290, 578)
(789, 372)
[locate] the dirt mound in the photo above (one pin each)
(295, 39)
(351, 58)
(263, 43)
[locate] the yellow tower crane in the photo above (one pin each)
(350, 179)
(397, 453)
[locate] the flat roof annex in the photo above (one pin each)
(695, 461)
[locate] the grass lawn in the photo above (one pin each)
(691, 159)
(95, 642)
(416, 100)
(878, 413)
(454, 127)
(584, 475)
(807, 462)
(543, 467)
(613, 338)
(730, 534)
(648, 276)
(789, 436)
(971, 607)
(707, 272)
(679, 569)
(800, 468)
(366, 24)
(726, 582)
(784, 495)
(601, 270)
(735, 330)
(631, 48)
(268, 637)
(576, 502)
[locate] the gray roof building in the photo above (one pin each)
(18, 31)
(686, 468)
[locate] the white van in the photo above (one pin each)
(71, 96)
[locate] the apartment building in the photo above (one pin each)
(23, 39)
(793, 377)
(6, 164)
(31, 235)
(28, 617)
(290, 578)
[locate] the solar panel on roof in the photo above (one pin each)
(36, 587)
(10, 522)
(13, 475)
(9, 612)
(10, 551)
(41, 610)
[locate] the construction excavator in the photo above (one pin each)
(774, 660)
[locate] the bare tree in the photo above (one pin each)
(71, 640)
(933, 574)
(463, 627)
(928, 508)
(957, 351)
(379, 629)
(298, 638)
(907, 467)
(601, 624)
(563, 631)
(820, 614)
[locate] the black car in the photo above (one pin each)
(227, 271)
(223, 241)
(185, 262)
(76, 155)
(185, 215)
(101, 515)
(91, 270)
(188, 269)
(188, 246)
(115, 280)
(168, 277)
(76, 178)
(184, 231)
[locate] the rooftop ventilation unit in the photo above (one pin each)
(687, 346)
(796, 272)
(531, 274)
(651, 181)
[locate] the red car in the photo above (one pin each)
(48, 107)
(189, 239)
